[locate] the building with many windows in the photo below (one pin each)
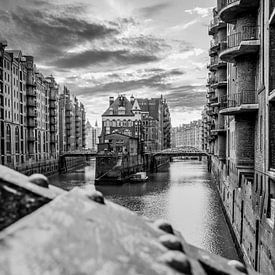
(32, 124)
(148, 120)
(241, 118)
(92, 136)
(188, 135)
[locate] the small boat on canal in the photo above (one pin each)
(139, 177)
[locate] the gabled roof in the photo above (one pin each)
(121, 101)
(150, 105)
(136, 106)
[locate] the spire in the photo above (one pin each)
(96, 124)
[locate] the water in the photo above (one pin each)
(185, 195)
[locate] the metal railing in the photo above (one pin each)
(248, 33)
(237, 99)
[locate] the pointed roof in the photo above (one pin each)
(136, 106)
(120, 101)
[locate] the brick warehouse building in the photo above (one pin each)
(145, 119)
(239, 120)
(30, 125)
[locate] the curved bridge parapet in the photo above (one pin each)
(79, 232)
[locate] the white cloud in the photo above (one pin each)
(203, 12)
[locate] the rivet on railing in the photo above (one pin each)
(177, 260)
(238, 265)
(164, 226)
(96, 196)
(171, 242)
(39, 179)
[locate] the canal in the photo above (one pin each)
(185, 195)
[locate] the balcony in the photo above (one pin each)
(238, 103)
(245, 42)
(231, 9)
(52, 128)
(216, 63)
(31, 137)
(214, 47)
(32, 122)
(215, 24)
(219, 82)
(53, 120)
(218, 129)
(31, 92)
(52, 105)
(31, 102)
(211, 112)
(32, 112)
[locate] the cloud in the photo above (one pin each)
(184, 26)
(51, 34)
(203, 12)
(92, 57)
(152, 10)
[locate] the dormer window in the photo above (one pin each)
(111, 111)
(121, 111)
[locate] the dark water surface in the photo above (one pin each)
(185, 195)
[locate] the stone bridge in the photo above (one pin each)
(46, 230)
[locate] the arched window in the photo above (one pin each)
(39, 143)
(124, 123)
(130, 123)
(16, 140)
(8, 139)
(44, 142)
(107, 123)
(114, 123)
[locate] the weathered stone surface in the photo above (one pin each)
(78, 234)
(19, 197)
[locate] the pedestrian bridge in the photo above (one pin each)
(185, 151)
(79, 153)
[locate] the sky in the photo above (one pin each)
(102, 48)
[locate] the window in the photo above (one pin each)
(17, 140)
(121, 110)
(39, 142)
(8, 139)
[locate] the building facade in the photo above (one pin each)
(30, 113)
(148, 120)
(92, 136)
(188, 135)
(241, 118)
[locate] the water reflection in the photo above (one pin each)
(185, 195)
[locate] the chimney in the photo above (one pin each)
(111, 100)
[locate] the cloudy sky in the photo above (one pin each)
(100, 48)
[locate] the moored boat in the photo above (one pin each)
(139, 177)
